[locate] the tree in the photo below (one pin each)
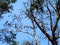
(4, 6)
(27, 43)
(42, 23)
(46, 20)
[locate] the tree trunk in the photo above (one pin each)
(54, 40)
(54, 43)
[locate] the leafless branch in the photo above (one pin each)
(52, 6)
(50, 16)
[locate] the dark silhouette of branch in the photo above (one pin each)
(52, 6)
(44, 32)
(50, 17)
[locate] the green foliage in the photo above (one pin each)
(37, 4)
(13, 1)
(27, 43)
(8, 1)
(4, 5)
(10, 38)
(14, 43)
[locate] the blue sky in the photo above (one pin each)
(17, 7)
(21, 36)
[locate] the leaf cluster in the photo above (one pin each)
(37, 4)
